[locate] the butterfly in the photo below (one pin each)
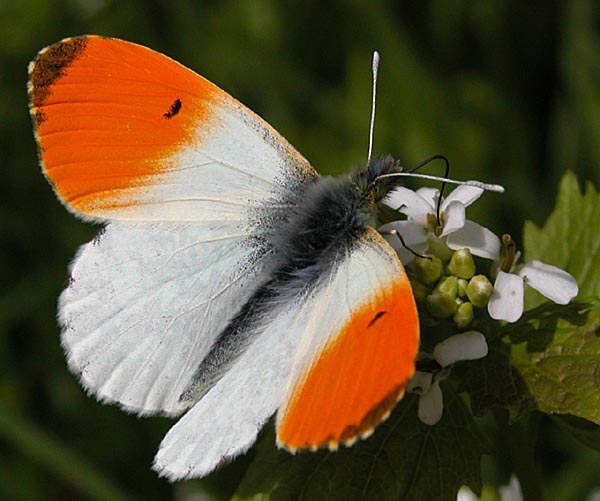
(230, 282)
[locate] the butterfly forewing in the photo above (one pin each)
(356, 359)
(127, 133)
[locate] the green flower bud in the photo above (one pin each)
(448, 286)
(461, 264)
(419, 291)
(479, 291)
(442, 301)
(463, 315)
(438, 247)
(428, 270)
(462, 287)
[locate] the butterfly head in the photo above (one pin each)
(370, 182)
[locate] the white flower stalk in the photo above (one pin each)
(423, 233)
(507, 299)
(466, 346)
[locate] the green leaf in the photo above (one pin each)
(404, 459)
(557, 352)
(492, 383)
(582, 430)
(570, 238)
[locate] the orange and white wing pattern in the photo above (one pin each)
(346, 382)
(126, 133)
(187, 177)
(334, 360)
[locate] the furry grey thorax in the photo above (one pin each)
(329, 216)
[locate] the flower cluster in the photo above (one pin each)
(437, 244)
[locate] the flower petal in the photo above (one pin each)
(469, 345)
(419, 383)
(414, 235)
(410, 203)
(506, 302)
(464, 194)
(431, 405)
(478, 239)
(466, 494)
(429, 194)
(411, 232)
(454, 218)
(512, 491)
(554, 283)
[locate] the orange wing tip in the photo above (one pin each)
(50, 65)
(108, 127)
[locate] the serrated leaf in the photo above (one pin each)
(557, 353)
(404, 459)
(492, 383)
(570, 238)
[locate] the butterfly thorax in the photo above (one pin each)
(330, 215)
(316, 233)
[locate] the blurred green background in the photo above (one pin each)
(509, 91)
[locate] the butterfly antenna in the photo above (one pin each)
(372, 125)
(477, 184)
(446, 173)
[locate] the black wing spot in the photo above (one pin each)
(174, 109)
(376, 317)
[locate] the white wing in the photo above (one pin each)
(145, 303)
(226, 421)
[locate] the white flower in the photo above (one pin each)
(469, 345)
(422, 232)
(506, 302)
(465, 494)
(512, 491)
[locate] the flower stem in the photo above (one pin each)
(519, 440)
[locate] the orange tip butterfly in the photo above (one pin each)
(230, 281)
